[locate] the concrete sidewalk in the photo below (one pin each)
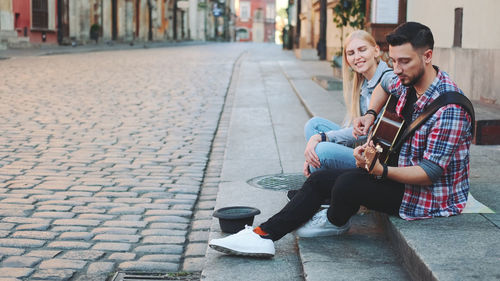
(271, 97)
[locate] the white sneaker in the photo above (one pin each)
(244, 243)
(319, 225)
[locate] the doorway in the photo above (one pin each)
(114, 26)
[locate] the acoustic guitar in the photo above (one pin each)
(388, 134)
(384, 135)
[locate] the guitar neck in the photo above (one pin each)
(388, 128)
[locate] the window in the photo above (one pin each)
(384, 11)
(244, 11)
(270, 13)
(40, 14)
(457, 34)
(242, 34)
(258, 15)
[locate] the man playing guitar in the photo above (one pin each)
(430, 178)
(434, 163)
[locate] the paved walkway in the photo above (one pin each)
(49, 50)
(116, 162)
(273, 94)
(102, 158)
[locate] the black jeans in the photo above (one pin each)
(347, 190)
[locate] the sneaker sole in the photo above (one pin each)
(238, 253)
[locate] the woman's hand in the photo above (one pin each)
(310, 152)
(306, 170)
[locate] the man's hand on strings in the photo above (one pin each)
(359, 155)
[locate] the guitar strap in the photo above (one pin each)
(444, 99)
(382, 75)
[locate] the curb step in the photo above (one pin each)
(363, 253)
(19, 43)
(328, 83)
(487, 123)
(411, 260)
(463, 247)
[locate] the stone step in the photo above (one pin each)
(328, 83)
(19, 43)
(6, 34)
(461, 247)
(487, 123)
(306, 54)
(363, 253)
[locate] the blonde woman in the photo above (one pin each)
(329, 145)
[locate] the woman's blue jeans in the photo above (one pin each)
(332, 155)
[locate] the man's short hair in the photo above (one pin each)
(417, 34)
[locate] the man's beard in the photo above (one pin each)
(415, 79)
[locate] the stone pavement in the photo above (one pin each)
(49, 50)
(115, 162)
(274, 96)
(102, 159)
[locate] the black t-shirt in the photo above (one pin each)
(407, 113)
(408, 109)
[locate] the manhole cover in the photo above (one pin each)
(279, 181)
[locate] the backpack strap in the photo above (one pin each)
(444, 99)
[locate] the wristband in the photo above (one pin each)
(372, 112)
(384, 173)
(323, 136)
(386, 170)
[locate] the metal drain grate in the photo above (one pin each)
(179, 276)
(279, 181)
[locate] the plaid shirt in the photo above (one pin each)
(445, 140)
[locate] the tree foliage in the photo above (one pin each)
(348, 13)
(283, 13)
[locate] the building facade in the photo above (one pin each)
(255, 20)
(316, 35)
(467, 42)
(27, 21)
(466, 33)
(7, 30)
(38, 22)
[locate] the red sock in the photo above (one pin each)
(259, 231)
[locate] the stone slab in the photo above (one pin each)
(233, 189)
(363, 253)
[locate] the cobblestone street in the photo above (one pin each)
(102, 157)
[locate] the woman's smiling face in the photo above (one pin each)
(361, 56)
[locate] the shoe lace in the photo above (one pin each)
(247, 229)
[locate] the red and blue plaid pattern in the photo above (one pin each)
(445, 140)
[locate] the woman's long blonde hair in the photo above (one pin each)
(352, 80)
